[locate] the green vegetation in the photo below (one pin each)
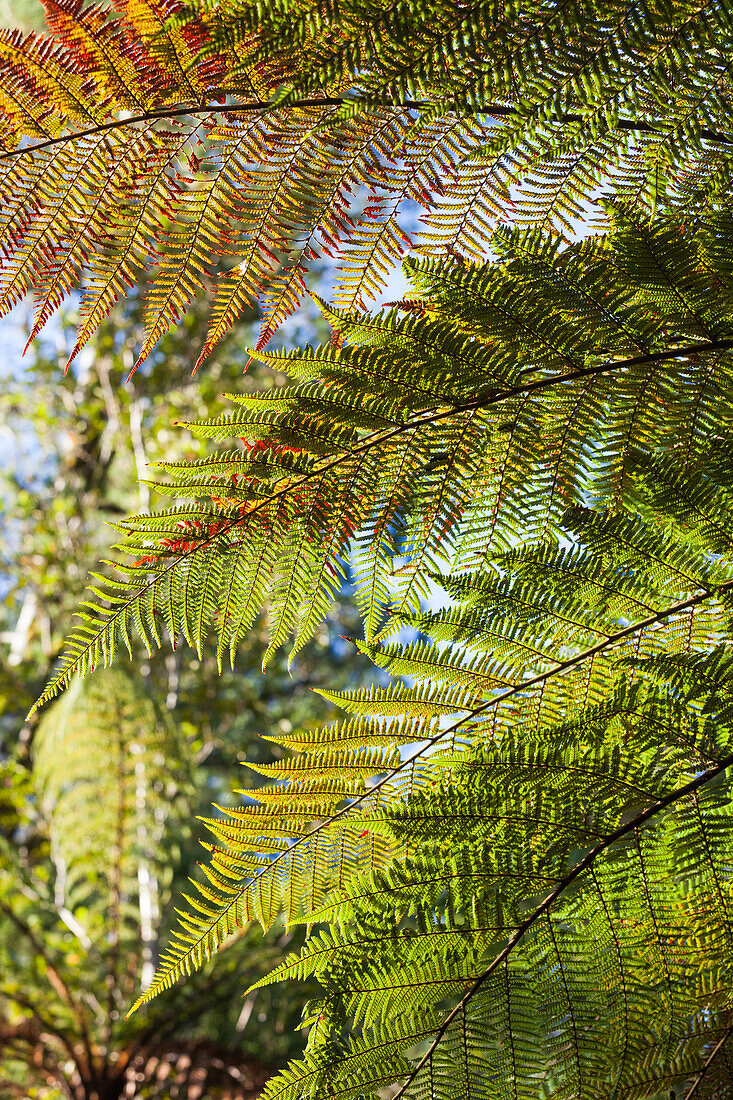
(506, 871)
(98, 801)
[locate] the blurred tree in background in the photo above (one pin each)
(25, 14)
(125, 763)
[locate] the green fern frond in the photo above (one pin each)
(533, 920)
(475, 414)
(632, 743)
(107, 764)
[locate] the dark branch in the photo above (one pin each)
(496, 110)
(51, 1029)
(709, 1061)
(53, 976)
(605, 368)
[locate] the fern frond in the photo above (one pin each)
(535, 881)
(282, 114)
(477, 412)
(106, 765)
(334, 797)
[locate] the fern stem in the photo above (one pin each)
(115, 886)
(587, 372)
(606, 643)
(585, 864)
(709, 1061)
(494, 109)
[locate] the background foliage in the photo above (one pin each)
(99, 841)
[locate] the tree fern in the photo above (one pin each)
(517, 863)
(478, 409)
(109, 768)
(555, 902)
(577, 94)
(225, 144)
(90, 844)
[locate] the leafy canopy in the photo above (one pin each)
(513, 858)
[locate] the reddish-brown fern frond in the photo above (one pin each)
(355, 135)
